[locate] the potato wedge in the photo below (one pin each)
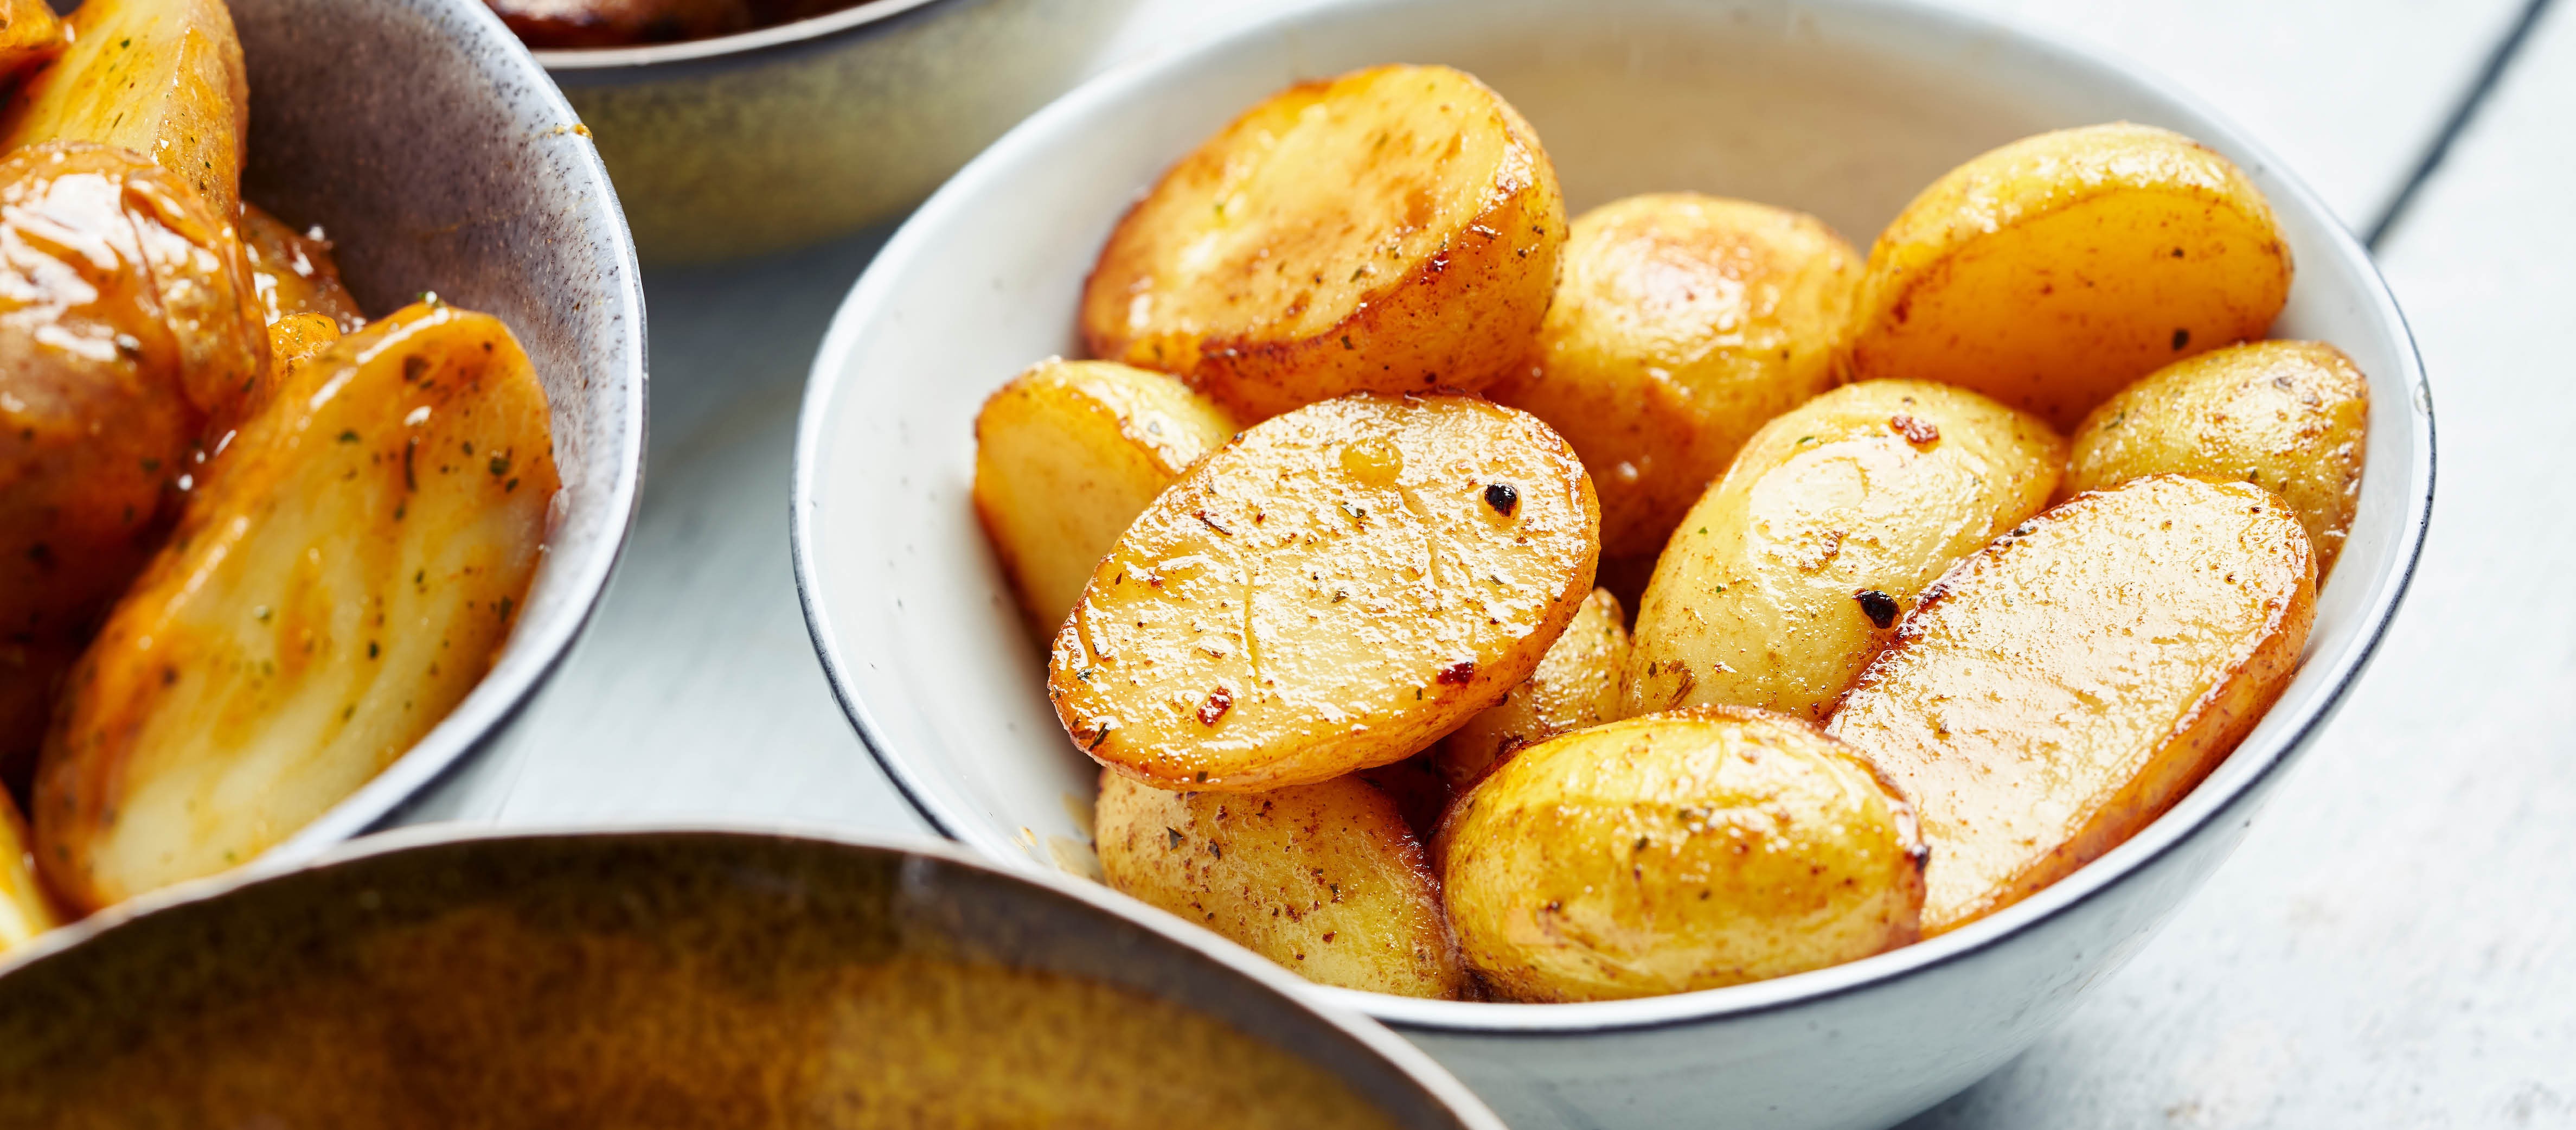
(1066, 455)
(160, 78)
(1576, 686)
(1682, 324)
(25, 909)
(1674, 852)
(30, 34)
(1325, 879)
(2288, 416)
(1333, 590)
(344, 576)
(1391, 230)
(2067, 684)
(2051, 272)
(1793, 568)
(294, 272)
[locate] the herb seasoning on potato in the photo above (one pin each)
(1576, 685)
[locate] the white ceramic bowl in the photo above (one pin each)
(1841, 107)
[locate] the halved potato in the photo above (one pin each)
(294, 272)
(1675, 852)
(30, 33)
(1793, 568)
(1392, 230)
(160, 78)
(25, 909)
(2051, 272)
(1325, 879)
(2067, 684)
(1066, 455)
(2288, 416)
(1576, 685)
(345, 574)
(1333, 590)
(1682, 324)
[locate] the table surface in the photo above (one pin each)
(2390, 946)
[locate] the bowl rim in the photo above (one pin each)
(860, 14)
(2196, 811)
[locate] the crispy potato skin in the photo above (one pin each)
(2288, 416)
(2064, 686)
(25, 909)
(30, 34)
(1391, 230)
(1325, 879)
(1066, 455)
(1333, 590)
(294, 273)
(1576, 686)
(343, 577)
(1872, 488)
(160, 78)
(1682, 324)
(1674, 852)
(2051, 272)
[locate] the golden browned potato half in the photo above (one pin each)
(1333, 590)
(1794, 568)
(294, 272)
(2287, 416)
(30, 34)
(1391, 230)
(1066, 455)
(1576, 685)
(2066, 685)
(343, 577)
(1682, 323)
(1325, 879)
(1675, 852)
(25, 909)
(160, 78)
(2051, 272)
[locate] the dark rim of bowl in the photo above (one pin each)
(856, 18)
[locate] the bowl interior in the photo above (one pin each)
(1843, 108)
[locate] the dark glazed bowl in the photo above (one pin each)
(428, 144)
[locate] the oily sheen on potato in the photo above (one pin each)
(1682, 323)
(1392, 230)
(2067, 684)
(294, 272)
(2288, 416)
(30, 34)
(25, 910)
(1333, 590)
(1674, 852)
(1576, 685)
(2053, 271)
(1794, 568)
(162, 79)
(1326, 879)
(1066, 455)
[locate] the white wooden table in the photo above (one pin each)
(2395, 943)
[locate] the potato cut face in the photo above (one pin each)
(1325, 879)
(2288, 416)
(1794, 568)
(1576, 686)
(294, 271)
(344, 575)
(2063, 687)
(1066, 455)
(2055, 270)
(1682, 324)
(1333, 590)
(1674, 852)
(25, 909)
(1391, 230)
(30, 33)
(160, 78)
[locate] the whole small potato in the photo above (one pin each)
(2051, 272)
(2288, 416)
(1675, 852)
(1796, 566)
(1576, 685)
(1325, 879)
(1682, 324)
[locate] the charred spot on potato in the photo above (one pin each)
(2181, 340)
(1503, 497)
(1878, 606)
(1916, 430)
(1218, 702)
(1459, 673)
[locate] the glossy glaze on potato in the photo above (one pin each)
(25, 909)
(162, 79)
(2065, 686)
(294, 272)
(1576, 685)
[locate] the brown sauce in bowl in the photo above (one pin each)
(631, 23)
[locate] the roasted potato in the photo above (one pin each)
(159, 78)
(2287, 416)
(1333, 590)
(1674, 852)
(1576, 686)
(1793, 568)
(343, 576)
(1682, 324)
(294, 272)
(2064, 686)
(30, 33)
(1066, 455)
(25, 909)
(2051, 272)
(1391, 230)
(1325, 879)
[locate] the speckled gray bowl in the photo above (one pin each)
(428, 144)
